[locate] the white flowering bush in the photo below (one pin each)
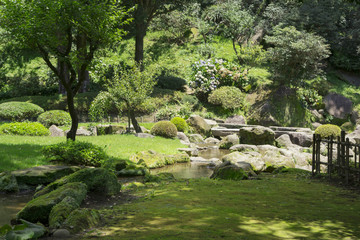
(211, 74)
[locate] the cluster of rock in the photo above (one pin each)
(58, 204)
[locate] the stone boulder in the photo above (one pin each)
(338, 106)
(183, 137)
(257, 135)
(152, 159)
(229, 141)
(284, 141)
(61, 211)
(165, 176)
(253, 158)
(43, 174)
(8, 183)
(81, 219)
(228, 171)
(199, 125)
(236, 119)
(38, 209)
(56, 132)
(211, 123)
(244, 148)
(192, 152)
(196, 138)
(355, 135)
(212, 140)
(133, 170)
(96, 179)
(82, 131)
(303, 139)
(110, 129)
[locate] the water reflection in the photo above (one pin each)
(10, 205)
(186, 170)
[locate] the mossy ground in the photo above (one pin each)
(282, 206)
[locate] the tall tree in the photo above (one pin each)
(145, 12)
(66, 33)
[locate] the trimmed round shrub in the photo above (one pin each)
(54, 117)
(24, 128)
(75, 153)
(328, 130)
(19, 111)
(170, 82)
(164, 129)
(180, 124)
(227, 97)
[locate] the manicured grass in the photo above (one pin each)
(19, 152)
(283, 206)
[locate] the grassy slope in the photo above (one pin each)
(283, 207)
(19, 152)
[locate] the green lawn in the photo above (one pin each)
(19, 152)
(283, 206)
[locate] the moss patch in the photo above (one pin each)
(81, 219)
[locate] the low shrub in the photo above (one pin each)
(164, 129)
(228, 98)
(180, 124)
(75, 153)
(19, 111)
(171, 82)
(54, 117)
(24, 128)
(328, 130)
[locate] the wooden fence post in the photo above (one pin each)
(318, 145)
(347, 159)
(330, 155)
(313, 154)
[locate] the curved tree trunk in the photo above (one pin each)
(135, 122)
(74, 116)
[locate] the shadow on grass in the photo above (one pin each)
(265, 209)
(20, 156)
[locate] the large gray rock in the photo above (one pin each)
(211, 123)
(303, 139)
(338, 105)
(56, 132)
(257, 135)
(144, 135)
(43, 174)
(229, 141)
(244, 148)
(252, 158)
(196, 138)
(189, 151)
(355, 135)
(82, 131)
(183, 137)
(8, 183)
(199, 124)
(284, 141)
(229, 171)
(212, 140)
(236, 119)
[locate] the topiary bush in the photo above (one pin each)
(180, 124)
(328, 130)
(54, 117)
(75, 153)
(24, 128)
(228, 98)
(170, 82)
(164, 129)
(19, 111)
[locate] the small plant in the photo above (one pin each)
(75, 153)
(170, 82)
(228, 98)
(24, 129)
(19, 111)
(164, 129)
(180, 124)
(328, 130)
(309, 97)
(54, 117)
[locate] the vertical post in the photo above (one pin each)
(342, 156)
(318, 163)
(338, 160)
(314, 154)
(347, 159)
(330, 155)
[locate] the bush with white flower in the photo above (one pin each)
(211, 74)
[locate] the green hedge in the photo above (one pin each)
(227, 97)
(19, 111)
(75, 153)
(54, 117)
(24, 128)
(180, 124)
(164, 129)
(328, 130)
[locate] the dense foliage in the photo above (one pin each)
(54, 117)
(19, 111)
(164, 129)
(24, 129)
(75, 153)
(328, 130)
(180, 124)
(228, 98)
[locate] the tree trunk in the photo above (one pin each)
(139, 44)
(134, 122)
(74, 117)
